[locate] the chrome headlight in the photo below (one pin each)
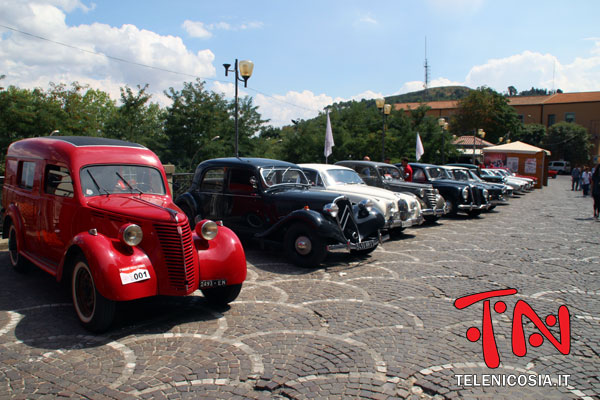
(131, 234)
(331, 209)
(486, 194)
(208, 230)
(465, 193)
(403, 208)
(366, 204)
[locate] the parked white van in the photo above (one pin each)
(563, 167)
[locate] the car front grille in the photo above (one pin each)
(178, 252)
(430, 198)
(346, 221)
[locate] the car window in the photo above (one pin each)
(26, 174)
(58, 181)
(365, 171)
(120, 178)
(419, 175)
(313, 177)
(213, 180)
(239, 181)
(390, 173)
(282, 175)
(342, 177)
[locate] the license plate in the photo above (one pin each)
(369, 244)
(136, 273)
(213, 283)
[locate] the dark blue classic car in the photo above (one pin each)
(270, 200)
(459, 196)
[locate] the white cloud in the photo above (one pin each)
(281, 109)
(30, 62)
(196, 29)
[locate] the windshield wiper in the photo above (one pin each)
(128, 184)
(100, 188)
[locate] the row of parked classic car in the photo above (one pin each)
(97, 214)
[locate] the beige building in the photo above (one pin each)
(581, 108)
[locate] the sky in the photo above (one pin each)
(307, 54)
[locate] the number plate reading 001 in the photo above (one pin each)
(133, 274)
(368, 244)
(213, 283)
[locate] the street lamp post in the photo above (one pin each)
(244, 68)
(444, 126)
(479, 132)
(386, 109)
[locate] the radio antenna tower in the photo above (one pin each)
(426, 85)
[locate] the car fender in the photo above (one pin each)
(221, 258)
(313, 219)
(188, 200)
(13, 214)
(107, 258)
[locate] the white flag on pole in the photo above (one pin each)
(328, 138)
(420, 150)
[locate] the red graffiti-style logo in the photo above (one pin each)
(522, 309)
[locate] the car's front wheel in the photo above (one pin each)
(18, 262)
(451, 206)
(431, 219)
(221, 296)
(304, 247)
(474, 213)
(95, 312)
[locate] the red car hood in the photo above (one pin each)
(157, 208)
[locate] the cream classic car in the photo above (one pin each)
(401, 210)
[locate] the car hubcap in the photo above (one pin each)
(84, 293)
(303, 245)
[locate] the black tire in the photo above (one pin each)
(492, 207)
(474, 213)
(304, 247)
(431, 219)
(451, 206)
(221, 296)
(18, 262)
(95, 312)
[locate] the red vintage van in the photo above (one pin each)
(97, 213)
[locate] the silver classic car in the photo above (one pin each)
(401, 210)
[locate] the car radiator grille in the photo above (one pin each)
(346, 222)
(178, 251)
(430, 198)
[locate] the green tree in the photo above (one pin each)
(488, 110)
(137, 120)
(196, 126)
(568, 141)
(533, 134)
(83, 111)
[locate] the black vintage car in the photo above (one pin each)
(459, 196)
(497, 193)
(389, 177)
(270, 200)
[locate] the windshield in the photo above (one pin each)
(273, 176)
(474, 176)
(461, 175)
(341, 177)
(99, 180)
(390, 173)
(437, 173)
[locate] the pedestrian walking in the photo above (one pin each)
(585, 180)
(595, 182)
(575, 174)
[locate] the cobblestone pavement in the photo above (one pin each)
(384, 326)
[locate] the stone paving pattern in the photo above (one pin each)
(379, 327)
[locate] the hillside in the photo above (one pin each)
(432, 94)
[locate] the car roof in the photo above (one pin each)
(454, 167)
(422, 165)
(324, 167)
(363, 162)
(247, 162)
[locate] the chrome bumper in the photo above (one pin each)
(470, 207)
(397, 223)
(438, 212)
(364, 245)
